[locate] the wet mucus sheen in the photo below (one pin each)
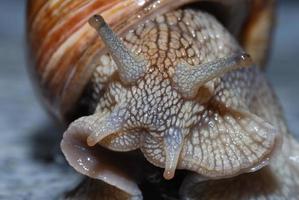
(180, 91)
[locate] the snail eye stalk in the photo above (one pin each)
(130, 67)
(189, 78)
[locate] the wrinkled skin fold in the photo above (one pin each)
(191, 101)
(279, 180)
(96, 162)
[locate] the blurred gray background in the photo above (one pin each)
(31, 166)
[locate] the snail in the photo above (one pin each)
(159, 88)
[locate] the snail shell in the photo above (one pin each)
(210, 120)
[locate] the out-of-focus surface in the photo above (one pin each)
(283, 68)
(31, 164)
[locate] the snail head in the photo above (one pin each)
(179, 118)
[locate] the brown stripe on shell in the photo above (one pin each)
(68, 24)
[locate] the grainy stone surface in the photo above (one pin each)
(31, 164)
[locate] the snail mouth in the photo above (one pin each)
(114, 168)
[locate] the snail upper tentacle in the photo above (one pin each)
(131, 67)
(188, 79)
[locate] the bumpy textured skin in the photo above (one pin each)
(231, 126)
(218, 116)
(279, 180)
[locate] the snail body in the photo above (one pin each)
(178, 89)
